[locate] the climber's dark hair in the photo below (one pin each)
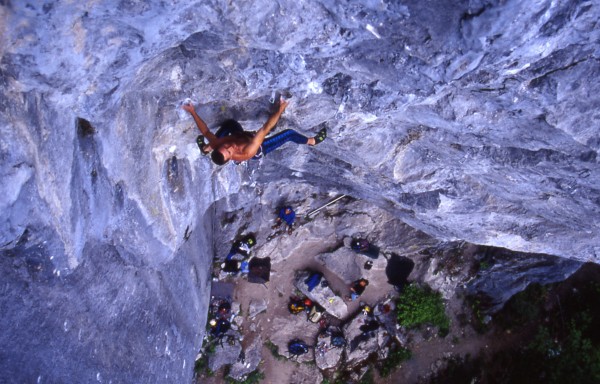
(231, 126)
(218, 158)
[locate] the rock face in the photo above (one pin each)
(469, 120)
(505, 278)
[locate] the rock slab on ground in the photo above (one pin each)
(344, 262)
(327, 356)
(251, 358)
(360, 344)
(333, 304)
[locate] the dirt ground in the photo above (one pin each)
(276, 324)
(443, 266)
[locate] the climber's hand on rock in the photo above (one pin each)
(188, 107)
(283, 103)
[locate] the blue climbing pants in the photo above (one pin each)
(272, 143)
(232, 127)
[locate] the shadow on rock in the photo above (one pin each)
(398, 269)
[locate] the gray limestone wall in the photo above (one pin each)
(469, 120)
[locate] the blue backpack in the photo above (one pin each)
(297, 347)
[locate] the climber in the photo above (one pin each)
(231, 142)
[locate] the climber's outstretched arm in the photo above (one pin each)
(213, 140)
(260, 135)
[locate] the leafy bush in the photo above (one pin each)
(573, 359)
(421, 305)
(201, 367)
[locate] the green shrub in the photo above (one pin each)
(201, 367)
(420, 305)
(525, 306)
(575, 358)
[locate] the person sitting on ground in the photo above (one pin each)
(357, 288)
(287, 215)
(242, 247)
(364, 247)
(360, 245)
(231, 142)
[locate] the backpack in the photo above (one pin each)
(295, 307)
(315, 314)
(297, 347)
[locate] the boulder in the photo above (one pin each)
(386, 315)
(225, 354)
(323, 295)
(363, 344)
(248, 361)
(327, 356)
(292, 327)
(344, 262)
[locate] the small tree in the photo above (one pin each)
(421, 305)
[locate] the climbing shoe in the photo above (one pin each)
(322, 135)
(202, 145)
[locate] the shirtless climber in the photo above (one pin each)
(231, 142)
